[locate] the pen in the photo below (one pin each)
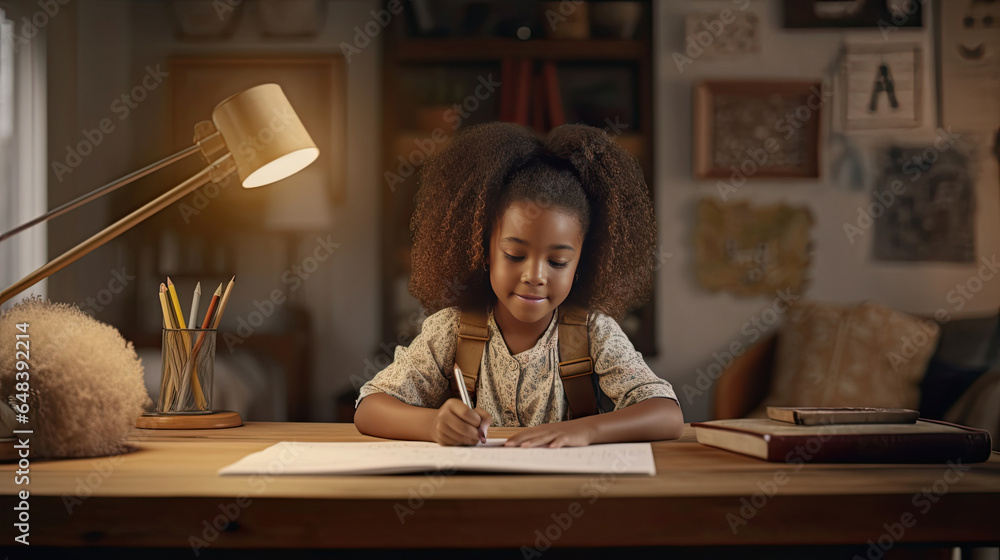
(464, 392)
(461, 387)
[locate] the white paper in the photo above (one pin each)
(389, 457)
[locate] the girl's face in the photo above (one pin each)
(533, 256)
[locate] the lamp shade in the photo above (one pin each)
(264, 135)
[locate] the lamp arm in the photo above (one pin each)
(119, 227)
(101, 191)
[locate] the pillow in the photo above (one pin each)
(966, 349)
(868, 355)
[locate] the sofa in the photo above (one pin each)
(870, 355)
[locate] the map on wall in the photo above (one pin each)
(927, 197)
(752, 251)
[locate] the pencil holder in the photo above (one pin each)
(188, 371)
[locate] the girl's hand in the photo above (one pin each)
(557, 434)
(455, 424)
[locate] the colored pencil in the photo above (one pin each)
(195, 300)
(222, 304)
(176, 303)
(198, 395)
(167, 382)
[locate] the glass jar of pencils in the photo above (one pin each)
(188, 371)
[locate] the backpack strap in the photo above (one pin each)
(575, 364)
(472, 336)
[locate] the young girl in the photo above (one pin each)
(519, 226)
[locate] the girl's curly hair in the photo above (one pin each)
(465, 189)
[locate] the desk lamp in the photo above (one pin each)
(261, 112)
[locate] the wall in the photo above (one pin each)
(695, 323)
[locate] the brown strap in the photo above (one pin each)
(472, 337)
(575, 364)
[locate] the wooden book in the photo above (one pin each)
(816, 415)
(552, 95)
(926, 441)
(522, 97)
(508, 87)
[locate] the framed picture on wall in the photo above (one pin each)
(883, 14)
(752, 250)
(755, 129)
(968, 64)
(880, 87)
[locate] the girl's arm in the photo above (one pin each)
(648, 420)
(385, 416)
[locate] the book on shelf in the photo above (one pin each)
(553, 97)
(816, 415)
(925, 441)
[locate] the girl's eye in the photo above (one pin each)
(513, 258)
(558, 264)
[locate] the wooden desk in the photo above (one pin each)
(167, 494)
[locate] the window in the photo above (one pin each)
(22, 147)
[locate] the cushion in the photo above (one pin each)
(866, 355)
(966, 349)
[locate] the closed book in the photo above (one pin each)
(816, 415)
(552, 94)
(926, 441)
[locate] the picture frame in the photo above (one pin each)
(757, 129)
(315, 87)
(928, 216)
(880, 87)
(967, 45)
(884, 14)
(752, 250)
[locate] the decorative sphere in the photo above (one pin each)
(81, 380)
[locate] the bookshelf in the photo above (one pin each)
(604, 81)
